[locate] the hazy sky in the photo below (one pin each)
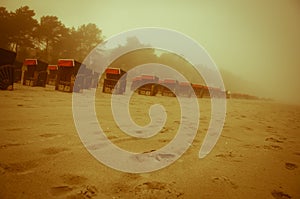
(257, 40)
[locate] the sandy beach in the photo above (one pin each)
(42, 156)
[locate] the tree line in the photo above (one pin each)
(47, 39)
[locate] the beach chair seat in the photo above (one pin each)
(6, 77)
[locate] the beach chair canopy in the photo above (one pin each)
(197, 86)
(66, 63)
(149, 77)
(136, 78)
(170, 81)
(40, 65)
(7, 57)
(52, 67)
(115, 71)
(184, 83)
(30, 62)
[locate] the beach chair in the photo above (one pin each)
(147, 85)
(52, 74)
(111, 82)
(66, 76)
(34, 73)
(169, 87)
(184, 89)
(7, 69)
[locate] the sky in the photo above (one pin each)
(257, 40)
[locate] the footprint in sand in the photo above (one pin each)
(16, 129)
(290, 166)
(224, 180)
(9, 145)
(72, 179)
(297, 153)
(71, 187)
(229, 156)
(177, 122)
(164, 130)
(131, 176)
(149, 151)
(271, 129)
(19, 167)
(272, 147)
(111, 137)
(60, 190)
(271, 139)
(164, 140)
(53, 150)
(280, 195)
(282, 138)
(165, 157)
(119, 187)
(155, 189)
(85, 192)
(52, 124)
(248, 128)
(49, 135)
(250, 146)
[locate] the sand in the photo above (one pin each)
(41, 155)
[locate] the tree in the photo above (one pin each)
(181, 65)
(49, 36)
(76, 43)
(17, 30)
(67, 47)
(87, 37)
(48, 39)
(5, 27)
(127, 60)
(22, 26)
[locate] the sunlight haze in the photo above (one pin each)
(258, 41)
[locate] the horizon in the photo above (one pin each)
(256, 41)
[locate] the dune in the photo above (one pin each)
(42, 156)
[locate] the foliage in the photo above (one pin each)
(48, 39)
